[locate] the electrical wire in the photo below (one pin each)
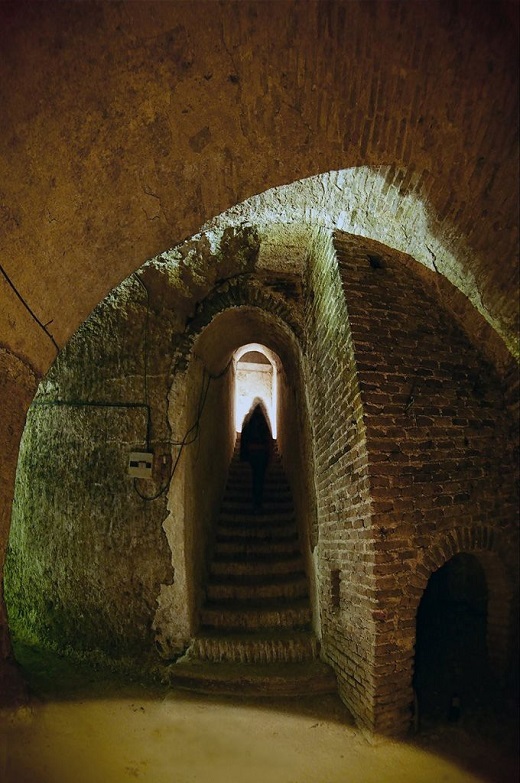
(29, 309)
(145, 354)
(188, 438)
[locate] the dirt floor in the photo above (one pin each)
(83, 726)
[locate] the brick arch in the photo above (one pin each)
(489, 547)
(486, 545)
(245, 292)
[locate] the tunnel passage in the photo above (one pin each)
(453, 674)
(219, 341)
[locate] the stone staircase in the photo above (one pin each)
(255, 633)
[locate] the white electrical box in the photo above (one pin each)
(140, 464)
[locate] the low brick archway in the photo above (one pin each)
(486, 545)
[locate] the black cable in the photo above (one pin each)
(88, 404)
(195, 426)
(29, 309)
(184, 442)
(207, 377)
(145, 353)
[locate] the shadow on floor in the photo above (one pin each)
(484, 744)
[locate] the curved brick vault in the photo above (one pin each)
(127, 126)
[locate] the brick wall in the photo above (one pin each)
(345, 555)
(440, 459)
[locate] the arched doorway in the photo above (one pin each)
(205, 390)
(453, 675)
(256, 377)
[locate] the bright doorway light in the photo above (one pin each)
(256, 376)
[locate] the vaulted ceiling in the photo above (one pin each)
(126, 126)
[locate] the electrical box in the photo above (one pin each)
(140, 464)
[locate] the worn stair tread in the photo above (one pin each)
(274, 604)
(275, 613)
(252, 548)
(261, 557)
(247, 594)
(253, 580)
(268, 647)
(271, 679)
(260, 535)
(245, 503)
(250, 518)
(255, 531)
(262, 635)
(257, 619)
(242, 491)
(256, 568)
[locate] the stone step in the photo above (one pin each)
(243, 488)
(292, 586)
(233, 617)
(261, 566)
(231, 679)
(242, 470)
(235, 545)
(244, 498)
(277, 647)
(232, 532)
(242, 479)
(250, 518)
(269, 507)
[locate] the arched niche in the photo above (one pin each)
(452, 666)
(463, 634)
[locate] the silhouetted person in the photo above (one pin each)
(256, 446)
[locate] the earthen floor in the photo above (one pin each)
(84, 726)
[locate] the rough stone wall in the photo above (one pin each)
(345, 553)
(208, 460)
(201, 417)
(80, 523)
(132, 379)
(86, 553)
(17, 386)
(441, 463)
